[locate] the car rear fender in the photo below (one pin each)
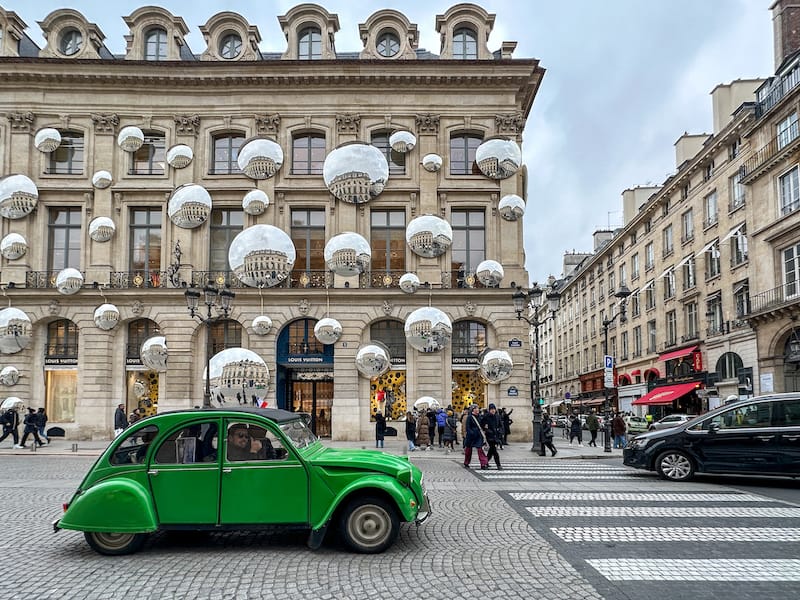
(114, 505)
(379, 485)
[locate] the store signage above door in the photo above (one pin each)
(61, 362)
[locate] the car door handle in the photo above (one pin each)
(764, 438)
(227, 470)
(153, 472)
(792, 438)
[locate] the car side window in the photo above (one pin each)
(789, 415)
(134, 445)
(749, 415)
(191, 444)
(249, 442)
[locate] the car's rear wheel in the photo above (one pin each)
(369, 525)
(114, 544)
(674, 465)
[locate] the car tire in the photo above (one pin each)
(369, 525)
(674, 465)
(114, 544)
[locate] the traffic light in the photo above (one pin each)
(541, 401)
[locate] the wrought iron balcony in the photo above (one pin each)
(783, 295)
(139, 279)
(781, 145)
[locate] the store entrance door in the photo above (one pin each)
(316, 398)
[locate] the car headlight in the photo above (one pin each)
(638, 443)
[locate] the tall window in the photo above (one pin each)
(651, 336)
(712, 261)
(649, 256)
(787, 130)
(388, 239)
(392, 335)
(67, 159)
(226, 151)
(469, 241)
(667, 240)
(150, 157)
(145, 236)
(650, 297)
(672, 328)
(635, 266)
(714, 314)
(308, 236)
(623, 275)
(623, 338)
(462, 153)
(308, 154)
(224, 334)
(689, 280)
(692, 326)
(669, 285)
(138, 331)
(465, 44)
(737, 191)
(62, 339)
(739, 247)
(302, 339)
(155, 44)
(637, 341)
(741, 298)
(309, 44)
(791, 270)
(687, 224)
(469, 339)
(712, 213)
(789, 190)
(64, 238)
(226, 224)
(636, 305)
(396, 160)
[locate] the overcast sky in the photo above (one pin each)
(625, 78)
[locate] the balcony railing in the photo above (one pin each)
(138, 279)
(782, 295)
(781, 143)
(786, 84)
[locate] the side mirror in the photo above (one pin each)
(713, 427)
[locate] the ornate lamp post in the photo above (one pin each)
(522, 300)
(217, 298)
(622, 293)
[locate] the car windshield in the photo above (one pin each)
(299, 432)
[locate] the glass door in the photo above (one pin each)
(315, 398)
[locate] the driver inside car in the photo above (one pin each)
(248, 443)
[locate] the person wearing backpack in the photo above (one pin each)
(31, 427)
(10, 420)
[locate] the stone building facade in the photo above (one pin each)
(310, 99)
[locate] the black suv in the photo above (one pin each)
(759, 436)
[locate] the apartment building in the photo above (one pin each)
(129, 179)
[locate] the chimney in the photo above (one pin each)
(785, 28)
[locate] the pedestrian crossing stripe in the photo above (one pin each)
(677, 534)
(718, 569)
(637, 497)
(664, 511)
(553, 474)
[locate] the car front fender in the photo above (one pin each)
(403, 497)
(115, 505)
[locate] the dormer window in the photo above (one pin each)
(388, 43)
(230, 46)
(155, 44)
(465, 44)
(309, 44)
(70, 42)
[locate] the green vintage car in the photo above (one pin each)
(266, 469)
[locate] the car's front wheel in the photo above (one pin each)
(114, 544)
(674, 465)
(369, 525)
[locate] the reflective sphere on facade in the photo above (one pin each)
(260, 158)
(498, 158)
(189, 206)
(328, 330)
(373, 360)
(130, 138)
(47, 139)
(428, 329)
(235, 370)
(106, 316)
(102, 179)
(69, 281)
(409, 283)
(9, 375)
(262, 256)
(355, 172)
(101, 229)
(13, 246)
(511, 207)
(348, 254)
(16, 330)
(429, 236)
(402, 141)
(432, 162)
(18, 196)
(494, 366)
(262, 325)
(255, 202)
(490, 273)
(154, 353)
(179, 156)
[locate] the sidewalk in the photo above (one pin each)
(514, 452)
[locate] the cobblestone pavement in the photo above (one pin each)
(488, 538)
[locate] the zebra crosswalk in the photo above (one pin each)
(703, 544)
(596, 469)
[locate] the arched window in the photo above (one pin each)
(396, 160)
(392, 335)
(224, 334)
(62, 339)
(302, 339)
(71, 42)
(462, 153)
(226, 151)
(465, 44)
(308, 153)
(388, 44)
(309, 44)
(728, 366)
(469, 339)
(155, 44)
(230, 46)
(138, 332)
(150, 157)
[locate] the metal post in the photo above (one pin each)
(606, 411)
(207, 392)
(537, 408)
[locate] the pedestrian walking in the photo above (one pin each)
(31, 422)
(120, 420)
(492, 428)
(134, 416)
(380, 428)
(593, 424)
(450, 427)
(474, 438)
(10, 420)
(431, 414)
(619, 429)
(576, 430)
(423, 435)
(41, 417)
(546, 436)
(506, 420)
(411, 431)
(441, 421)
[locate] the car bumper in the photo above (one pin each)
(424, 510)
(635, 458)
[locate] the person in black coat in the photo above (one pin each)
(576, 430)
(411, 431)
(10, 420)
(474, 438)
(31, 427)
(380, 428)
(546, 437)
(505, 419)
(492, 428)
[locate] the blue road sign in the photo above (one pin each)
(609, 361)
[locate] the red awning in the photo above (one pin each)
(666, 394)
(636, 372)
(677, 353)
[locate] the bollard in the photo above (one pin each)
(33, 445)
(74, 447)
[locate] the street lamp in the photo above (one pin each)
(219, 299)
(622, 293)
(522, 300)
